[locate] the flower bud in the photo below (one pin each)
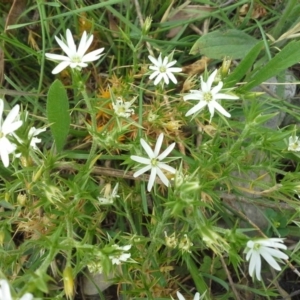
(68, 282)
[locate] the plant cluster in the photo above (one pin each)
(160, 166)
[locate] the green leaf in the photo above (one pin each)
(287, 57)
(244, 66)
(58, 113)
(232, 43)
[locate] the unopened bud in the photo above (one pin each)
(68, 282)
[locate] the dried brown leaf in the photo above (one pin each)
(186, 13)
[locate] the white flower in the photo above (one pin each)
(162, 69)
(154, 163)
(294, 144)
(122, 109)
(208, 96)
(76, 58)
(121, 257)
(109, 196)
(33, 132)
(5, 292)
(264, 248)
(180, 297)
(8, 127)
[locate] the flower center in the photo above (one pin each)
(162, 69)
(1, 134)
(256, 246)
(76, 59)
(207, 96)
(154, 162)
(295, 145)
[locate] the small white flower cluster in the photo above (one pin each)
(180, 296)
(268, 249)
(6, 295)
(109, 195)
(7, 128)
(207, 96)
(117, 259)
(7, 131)
(294, 144)
(123, 108)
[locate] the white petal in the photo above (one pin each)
(166, 152)
(153, 60)
(57, 57)
(270, 260)
(147, 148)
(170, 64)
(274, 252)
(211, 79)
(64, 47)
(225, 96)
(71, 43)
(5, 290)
(13, 127)
(158, 144)
(220, 109)
(172, 77)
(217, 88)
(166, 78)
(166, 167)
(179, 295)
(154, 74)
(61, 66)
(154, 68)
(174, 70)
(27, 296)
(162, 177)
(196, 108)
(83, 45)
(151, 179)
(141, 160)
(158, 78)
(194, 95)
(4, 152)
(92, 56)
(197, 296)
(141, 171)
(165, 62)
(12, 115)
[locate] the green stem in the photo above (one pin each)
(93, 125)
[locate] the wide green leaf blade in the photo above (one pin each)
(244, 66)
(218, 44)
(286, 58)
(58, 113)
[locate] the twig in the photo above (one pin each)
(237, 297)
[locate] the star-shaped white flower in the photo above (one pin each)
(180, 296)
(162, 70)
(294, 144)
(33, 132)
(76, 58)
(8, 127)
(6, 295)
(154, 162)
(268, 249)
(122, 108)
(208, 96)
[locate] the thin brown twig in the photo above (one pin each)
(237, 297)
